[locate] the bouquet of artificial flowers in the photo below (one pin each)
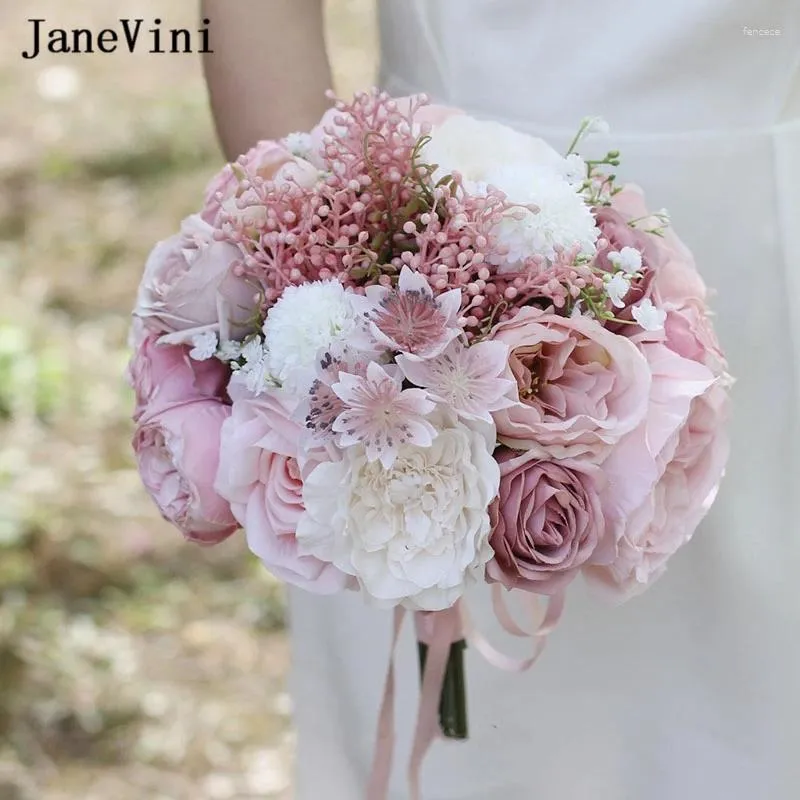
(411, 350)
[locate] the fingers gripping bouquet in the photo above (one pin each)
(411, 350)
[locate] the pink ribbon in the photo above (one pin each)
(539, 633)
(439, 629)
(384, 748)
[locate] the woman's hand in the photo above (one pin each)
(269, 70)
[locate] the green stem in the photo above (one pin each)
(453, 700)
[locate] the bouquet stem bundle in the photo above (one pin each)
(453, 700)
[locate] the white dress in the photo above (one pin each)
(691, 691)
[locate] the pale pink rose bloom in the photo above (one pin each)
(547, 522)
(177, 451)
(189, 286)
(631, 204)
(675, 284)
(664, 476)
(580, 388)
(689, 333)
(259, 475)
(264, 160)
(163, 376)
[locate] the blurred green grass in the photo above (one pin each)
(131, 664)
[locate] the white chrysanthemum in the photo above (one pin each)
(476, 148)
(306, 320)
(563, 220)
(413, 534)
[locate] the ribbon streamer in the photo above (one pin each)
(439, 630)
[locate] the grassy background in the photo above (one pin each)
(131, 665)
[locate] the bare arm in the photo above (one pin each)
(269, 71)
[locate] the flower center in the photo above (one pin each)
(411, 319)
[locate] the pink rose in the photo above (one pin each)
(677, 277)
(264, 160)
(259, 475)
(581, 388)
(177, 451)
(164, 376)
(690, 334)
(189, 286)
(615, 230)
(547, 522)
(663, 477)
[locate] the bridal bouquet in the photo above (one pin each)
(411, 350)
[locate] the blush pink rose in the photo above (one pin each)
(547, 522)
(663, 477)
(259, 475)
(177, 451)
(580, 388)
(163, 376)
(630, 203)
(189, 286)
(263, 159)
(690, 334)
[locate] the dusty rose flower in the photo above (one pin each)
(178, 467)
(615, 230)
(547, 522)
(259, 475)
(189, 286)
(163, 376)
(661, 476)
(580, 388)
(264, 160)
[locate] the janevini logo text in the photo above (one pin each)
(129, 35)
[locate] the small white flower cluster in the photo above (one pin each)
(628, 263)
(298, 144)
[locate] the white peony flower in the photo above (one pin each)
(306, 320)
(476, 148)
(563, 220)
(414, 534)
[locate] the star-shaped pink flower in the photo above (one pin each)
(467, 379)
(381, 415)
(409, 319)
